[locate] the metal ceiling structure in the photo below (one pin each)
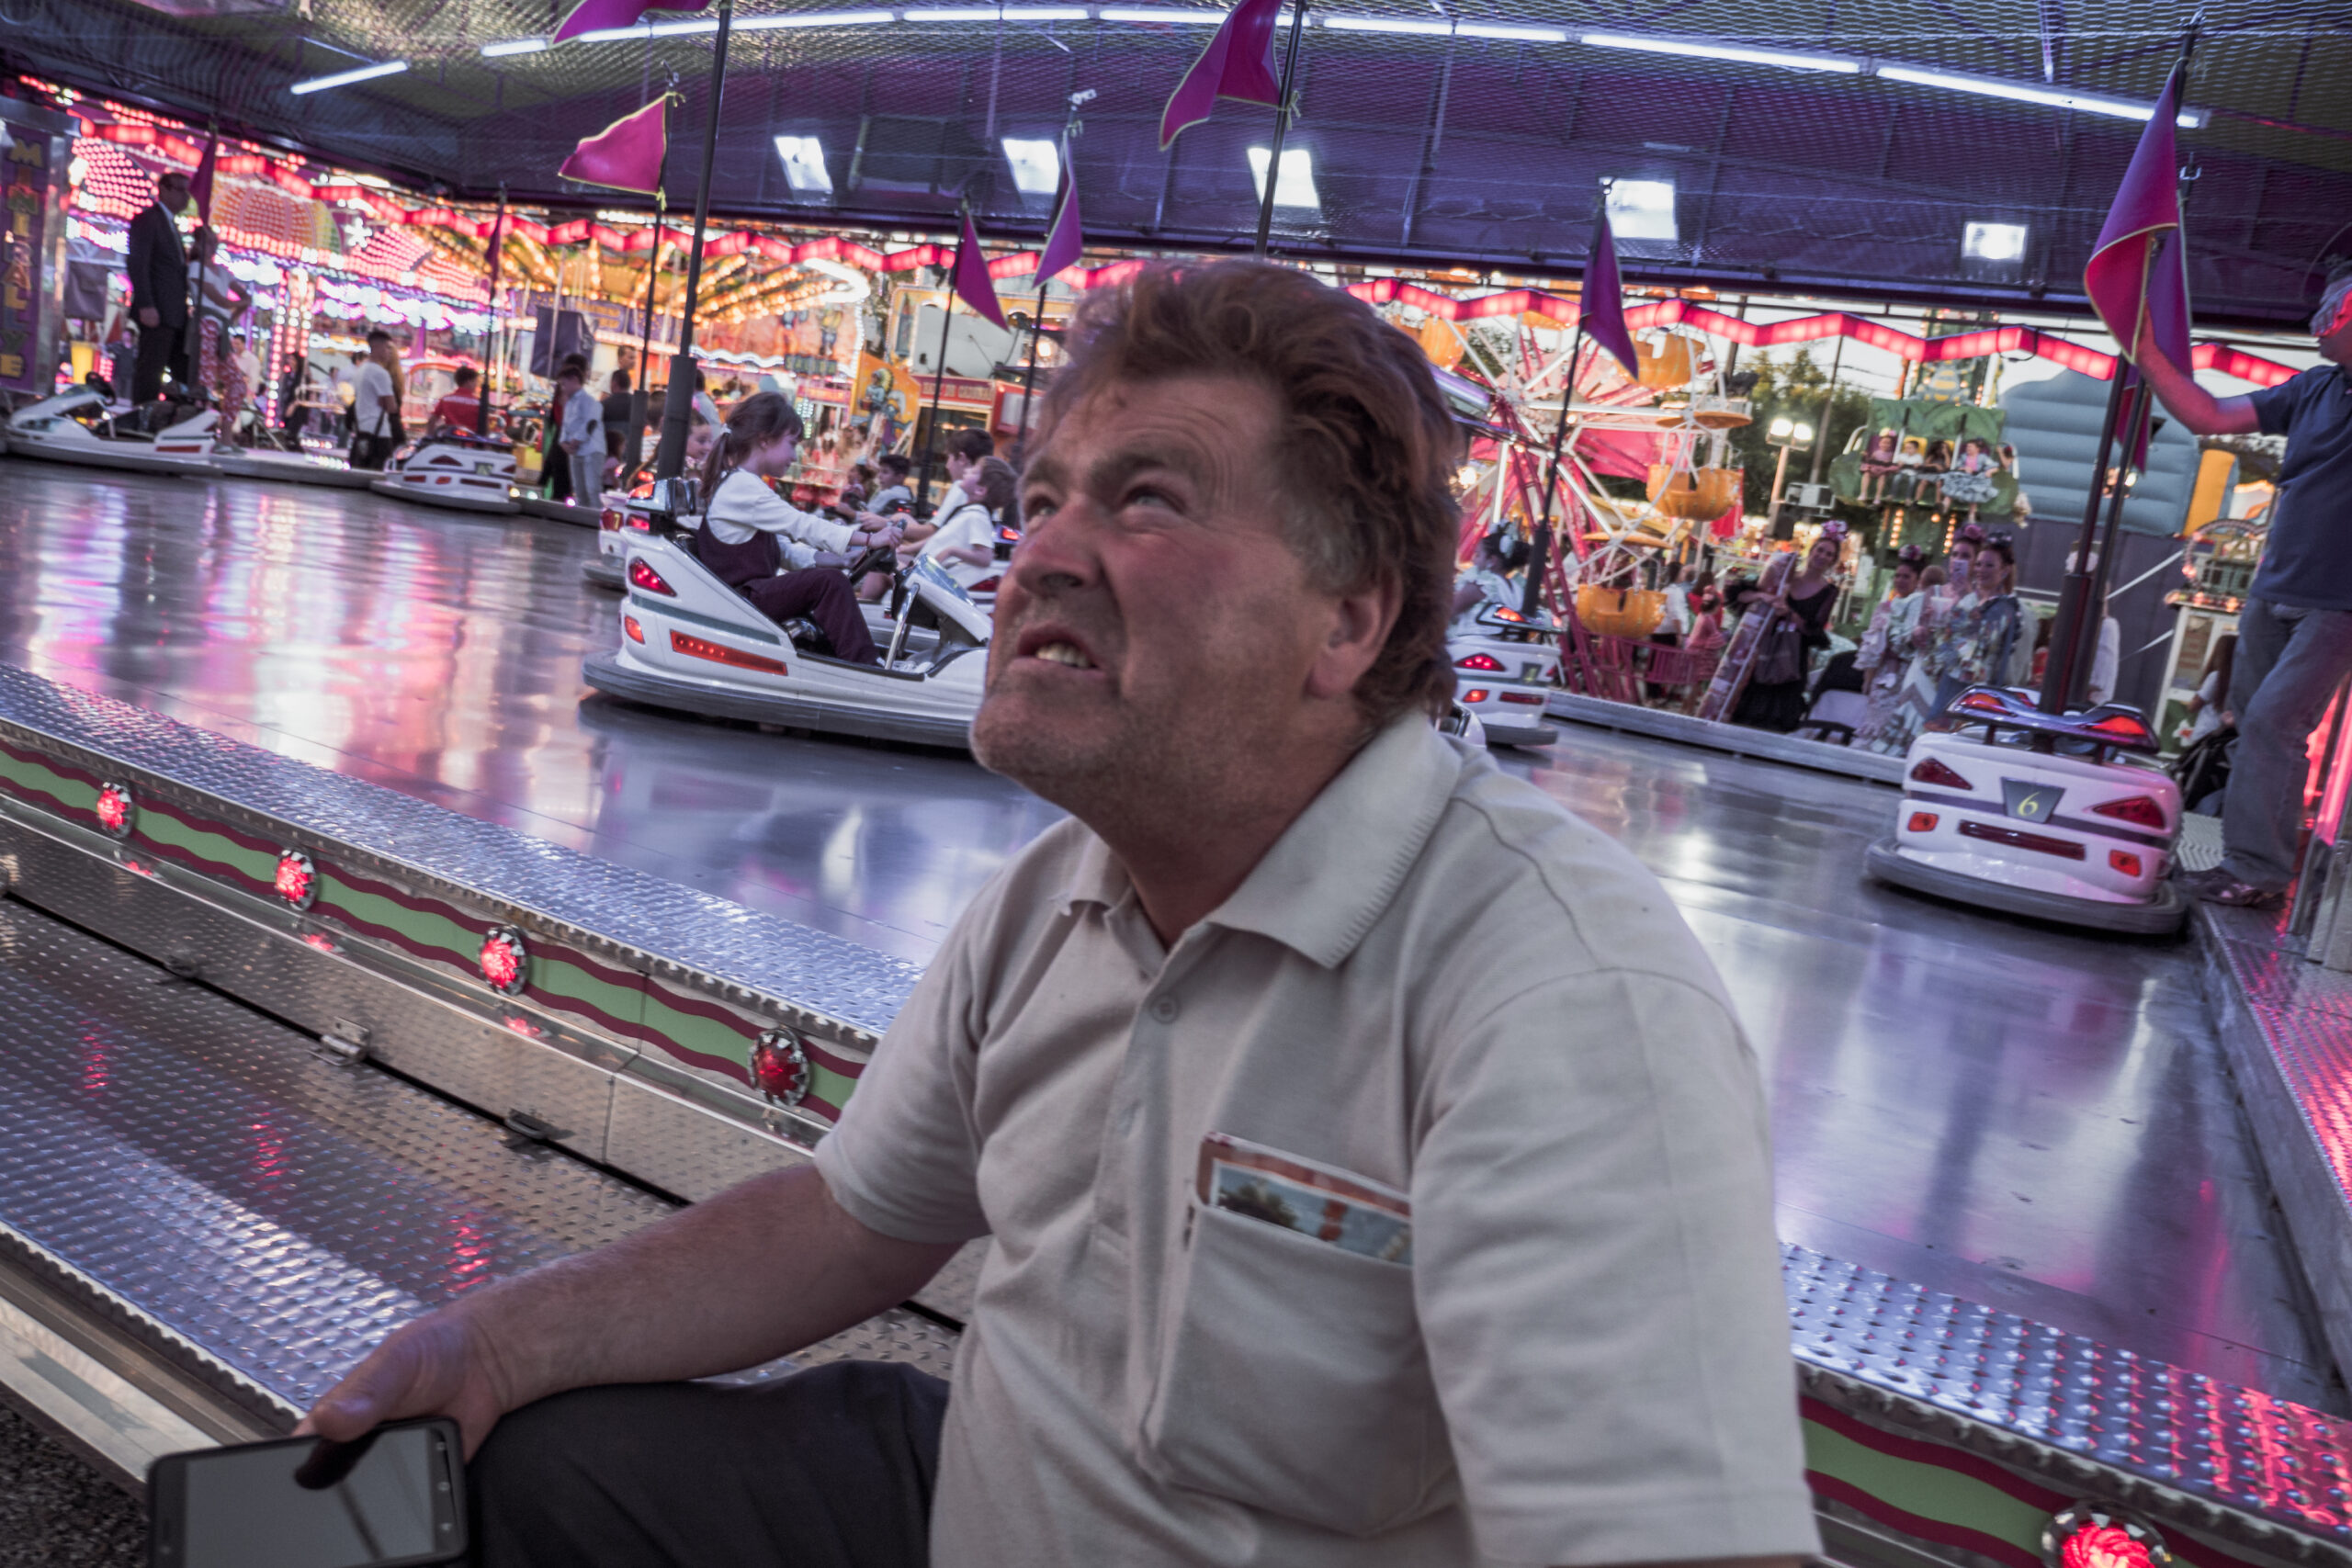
(1432, 141)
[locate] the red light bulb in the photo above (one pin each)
(780, 1067)
(504, 960)
(115, 810)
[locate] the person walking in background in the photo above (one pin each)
(158, 268)
(374, 405)
(346, 392)
(582, 437)
(2294, 643)
(616, 414)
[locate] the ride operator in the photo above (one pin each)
(1374, 1171)
(157, 265)
(2295, 634)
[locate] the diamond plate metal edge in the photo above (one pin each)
(692, 939)
(2229, 1463)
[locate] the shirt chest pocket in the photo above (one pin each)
(1293, 1380)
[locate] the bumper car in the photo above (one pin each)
(624, 518)
(2064, 818)
(693, 644)
(80, 426)
(290, 465)
(466, 473)
(1504, 669)
(534, 504)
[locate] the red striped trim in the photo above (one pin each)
(1911, 1524)
(1918, 1451)
(748, 1029)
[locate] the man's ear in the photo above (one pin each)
(1359, 626)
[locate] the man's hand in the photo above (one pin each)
(570, 446)
(149, 317)
(438, 1365)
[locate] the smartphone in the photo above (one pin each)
(393, 1498)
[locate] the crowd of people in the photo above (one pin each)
(1941, 629)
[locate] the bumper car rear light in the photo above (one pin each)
(1534, 699)
(1476, 695)
(2140, 810)
(644, 576)
(1933, 771)
(2039, 843)
(1921, 822)
(1486, 661)
(636, 632)
(2124, 861)
(720, 653)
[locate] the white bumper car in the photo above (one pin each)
(623, 519)
(466, 473)
(2060, 817)
(1504, 671)
(80, 426)
(691, 643)
(290, 465)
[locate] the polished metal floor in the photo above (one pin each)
(2025, 1117)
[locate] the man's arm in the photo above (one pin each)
(759, 1271)
(2189, 403)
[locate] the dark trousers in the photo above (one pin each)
(2290, 662)
(824, 596)
(160, 349)
(829, 1468)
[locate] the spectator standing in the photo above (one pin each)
(158, 267)
(583, 438)
(2209, 708)
(293, 390)
(374, 405)
(220, 368)
(347, 391)
(2295, 635)
(617, 425)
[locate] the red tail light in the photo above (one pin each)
(2123, 728)
(985, 585)
(2140, 810)
(1535, 698)
(636, 632)
(2124, 861)
(2039, 843)
(1932, 770)
(609, 521)
(1921, 822)
(1479, 662)
(642, 525)
(644, 576)
(719, 653)
(1509, 616)
(1982, 702)
(1475, 694)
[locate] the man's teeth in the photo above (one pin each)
(1066, 653)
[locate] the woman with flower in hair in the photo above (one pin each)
(1888, 649)
(1981, 646)
(1775, 698)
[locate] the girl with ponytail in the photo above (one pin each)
(744, 523)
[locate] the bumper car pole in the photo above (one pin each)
(670, 459)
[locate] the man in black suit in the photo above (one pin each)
(158, 267)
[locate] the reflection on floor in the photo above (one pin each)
(2019, 1115)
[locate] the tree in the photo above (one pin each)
(1795, 391)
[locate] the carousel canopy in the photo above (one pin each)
(1954, 151)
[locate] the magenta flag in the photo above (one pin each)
(1064, 240)
(1238, 63)
(596, 16)
(973, 285)
(2122, 275)
(1601, 305)
(201, 185)
(625, 154)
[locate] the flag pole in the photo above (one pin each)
(490, 337)
(938, 383)
(640, 395)
(2074, 607)
(1540, 551)
(192, 337)
(1037, 320)
(1282, 129)
(670, 459)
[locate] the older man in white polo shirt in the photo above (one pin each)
(1373, 1169)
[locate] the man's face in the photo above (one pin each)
(1153, 629)
(2334, 346)
(173, 192)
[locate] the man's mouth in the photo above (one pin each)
(1064, 653)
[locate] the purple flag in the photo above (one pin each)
(1064, 240)
(596, 16)
(1238, 63)
(2121, 277)
(1600, 307)
(973, 284)
(625, 154)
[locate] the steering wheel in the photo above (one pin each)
(879, 558)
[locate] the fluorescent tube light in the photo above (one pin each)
(1295, 186)
(1511, 30)
(1037, 165)
(1707, 49)
(2032, 93)
(1385, 25)
(345, 78)
(998, 13)
(1177, 16)
(804, 163)
(514, 46)
(811, 19)
(1642, 209)
(681, 29)
(1992, 241)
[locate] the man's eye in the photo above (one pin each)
(1149, 495)
(1035, 506)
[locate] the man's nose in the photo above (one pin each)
(1059, 554)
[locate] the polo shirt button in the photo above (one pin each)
(1164, 1009)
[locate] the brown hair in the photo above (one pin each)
(1364, 453)
(971, 444)
(993, 486)
(757, 420)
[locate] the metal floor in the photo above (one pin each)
(2018, 1115)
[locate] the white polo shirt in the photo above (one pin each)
(1437, 982)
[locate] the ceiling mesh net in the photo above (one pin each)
(1432, 149)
